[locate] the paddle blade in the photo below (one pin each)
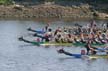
(35, 34)
(20, 38)
(29, 29)
(60, 50)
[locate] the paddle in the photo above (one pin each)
(20, 38)
(29, 29)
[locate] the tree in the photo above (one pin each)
(6, 2)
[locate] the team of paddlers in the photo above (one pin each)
(90, 33)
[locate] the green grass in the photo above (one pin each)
(5, 2)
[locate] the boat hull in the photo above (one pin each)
(63, 44)
(58, 44)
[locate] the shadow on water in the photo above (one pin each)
(66, 58)
(31, 45)
(26, 45)
(46, 46)
(86, 59)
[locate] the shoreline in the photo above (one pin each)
(43, 11)
(49, 20)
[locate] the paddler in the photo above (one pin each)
(49, 35)
(90, 48)
(69, 38)
(104, 26)
(58, 35)
(47, 26)
(107, 25)
(57, 31)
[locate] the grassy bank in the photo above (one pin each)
(5, 2)
(50, 10)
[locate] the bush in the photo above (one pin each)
(5, 2)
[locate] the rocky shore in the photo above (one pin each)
(50, 11)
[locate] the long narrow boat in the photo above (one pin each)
(36, 31)
(62, 51)
(57, 44)
(78, 43)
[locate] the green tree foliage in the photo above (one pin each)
(5, 2)
(86, 1)
(103, 1)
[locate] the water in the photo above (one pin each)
(19, 56)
